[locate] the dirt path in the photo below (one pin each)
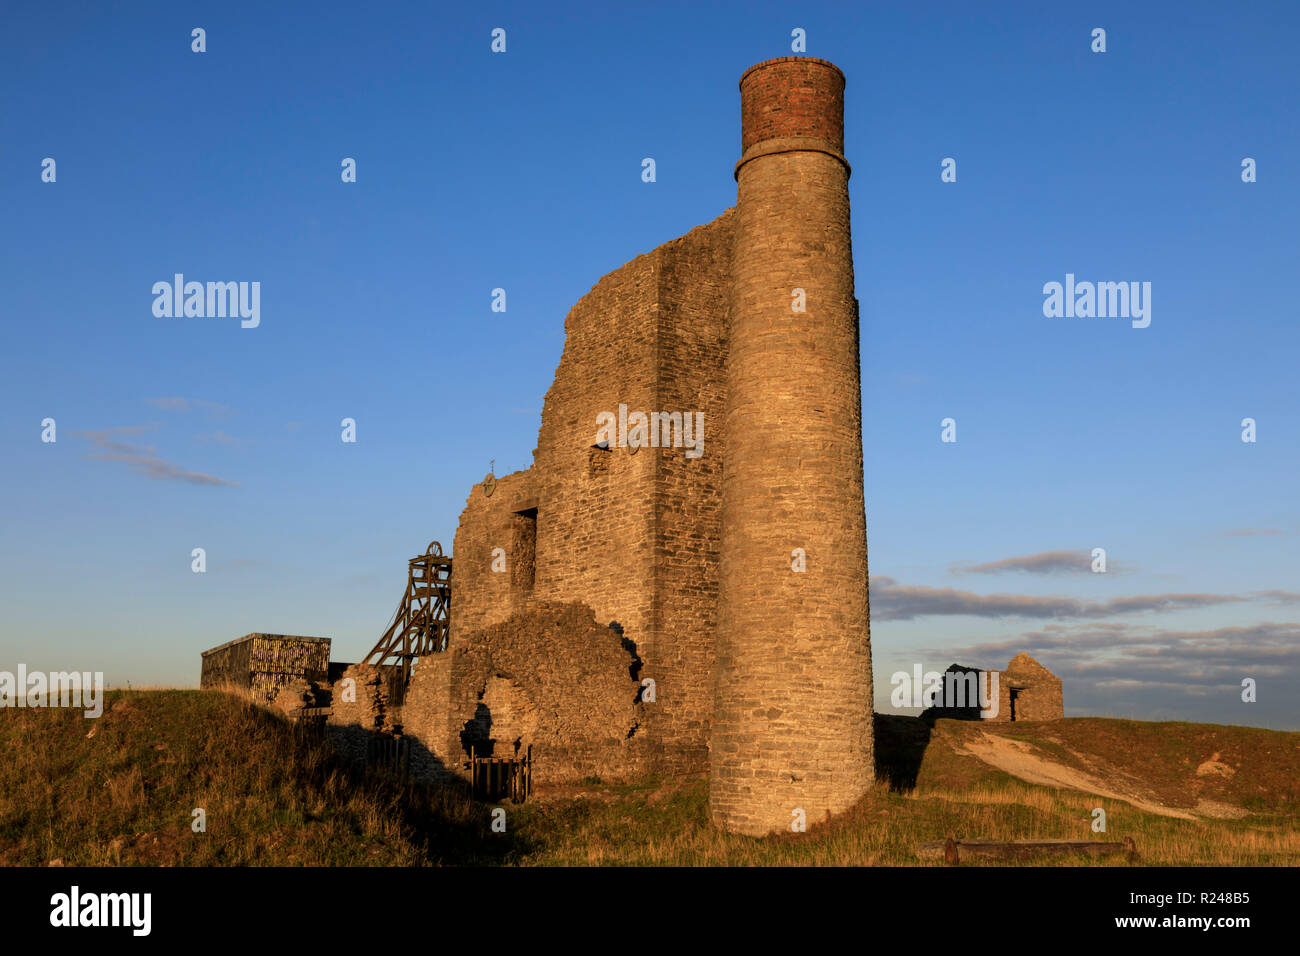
(1018, 759)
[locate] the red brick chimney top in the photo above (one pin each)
(792, 96)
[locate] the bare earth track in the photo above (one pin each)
(1023, 759)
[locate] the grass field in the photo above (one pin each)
(122, 790)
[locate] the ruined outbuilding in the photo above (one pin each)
(1029, 691)
(1026, 690)
(265, 664)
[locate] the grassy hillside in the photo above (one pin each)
(121, 790)
(1177, 764)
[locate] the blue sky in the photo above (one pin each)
(522, 170)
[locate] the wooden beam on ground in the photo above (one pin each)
(957, 851)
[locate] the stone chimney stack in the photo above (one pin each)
(792, 720)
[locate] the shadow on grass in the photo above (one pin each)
(440, 821)
(900, 747)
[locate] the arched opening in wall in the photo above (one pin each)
(476, 733)
(504, 721)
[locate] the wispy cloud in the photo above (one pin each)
(1045, 562)
(143, 458)
(896, 602)
(1096, 660)
(1278, 597)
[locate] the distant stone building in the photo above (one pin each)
(962, 690)
(266, 663)
(1026, 691)
(1029, 691)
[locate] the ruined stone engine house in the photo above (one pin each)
(678, 583)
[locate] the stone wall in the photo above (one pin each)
(364, 702)
(631, 534)
(679, 642)
(229, 665)
(960, 683)
(480, 595)
(265, 664)
(551, 678)
(427, 720)
(595, 517)
(1037, 691)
